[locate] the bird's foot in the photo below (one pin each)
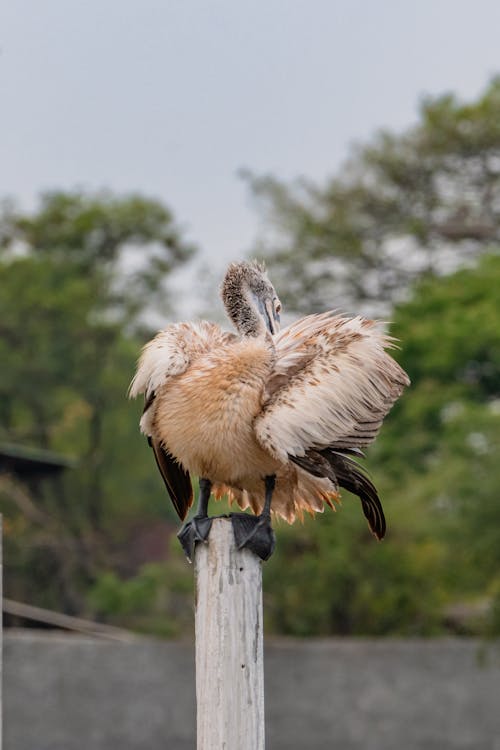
(196, 530)
(255, 533)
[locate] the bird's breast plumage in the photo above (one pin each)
(206, 414)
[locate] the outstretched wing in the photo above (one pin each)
(331, 386)
(330, 389)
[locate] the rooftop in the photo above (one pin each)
(32, 462)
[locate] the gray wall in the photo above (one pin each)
(73, 693)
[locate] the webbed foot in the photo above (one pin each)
(255, 533)
(196, 530)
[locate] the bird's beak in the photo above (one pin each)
(266, 309)
(271, 318)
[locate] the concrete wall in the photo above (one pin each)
(72, 693)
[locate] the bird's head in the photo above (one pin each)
(250, 299)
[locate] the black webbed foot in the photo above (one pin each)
(255, 533)
(196, 530)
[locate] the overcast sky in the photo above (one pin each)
(172, 97)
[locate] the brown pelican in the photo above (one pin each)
(272, 419)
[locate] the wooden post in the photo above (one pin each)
(229, 644)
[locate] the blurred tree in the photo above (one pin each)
(405, 205)
(406, 210)
(127, 245)
(436, 466)
(77, 278)
(445, 437)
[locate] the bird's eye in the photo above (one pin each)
(277, 307)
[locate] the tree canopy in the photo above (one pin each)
(435, 463)
(389, 233)
(404, 205)
(77, 277)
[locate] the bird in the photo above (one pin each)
(274, 419)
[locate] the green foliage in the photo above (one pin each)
(449, 430)
(157, 600)
(461, 311)
(126, 246)
(436, 466)
(405, 212)
(77, 278)
(331, 577)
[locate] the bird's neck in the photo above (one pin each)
(243, 313)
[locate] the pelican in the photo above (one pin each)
(272, 419)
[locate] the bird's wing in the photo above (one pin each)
(344, 472)
(177, 480)
(169, 354)
(331, 386)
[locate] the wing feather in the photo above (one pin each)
(351, 477)
(343, 472)
(177, 480)
(331, 386)
(169, 354)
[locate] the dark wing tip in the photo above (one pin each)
(177, 480)
(372, 509)
(314, 463)
(351, 477)
(346, 473)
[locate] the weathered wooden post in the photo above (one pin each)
(229, 644)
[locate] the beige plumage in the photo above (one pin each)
(235, 409)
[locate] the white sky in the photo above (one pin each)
(172, 97)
